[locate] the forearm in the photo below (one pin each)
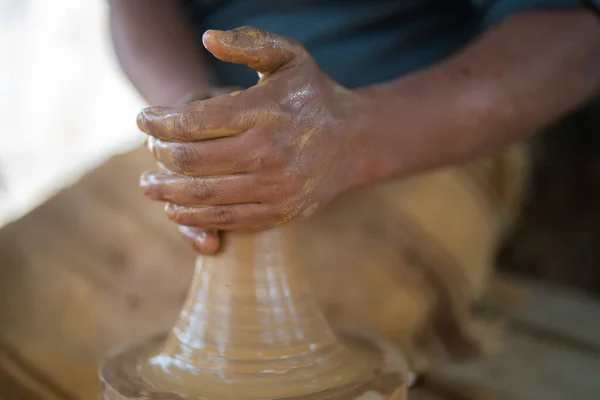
(510, 83)
(158, 49)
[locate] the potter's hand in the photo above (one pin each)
(262, 156)
(205, 241)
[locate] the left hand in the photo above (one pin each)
(256, 158)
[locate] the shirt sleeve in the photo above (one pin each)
(496, 10)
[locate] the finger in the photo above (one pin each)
(218, 117)
(261, 50)
(226, 217)
(205, 242)
(183, 190)
(226, 156)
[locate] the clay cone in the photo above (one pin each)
(250, 329)
(252, 320)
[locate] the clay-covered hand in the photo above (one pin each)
(205, 241)
(262, 156)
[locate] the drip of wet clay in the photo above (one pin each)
(252, 329)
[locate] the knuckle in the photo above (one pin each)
(279, 152)
(183, 157)
(291, 184)
(258, 160)
(263, 155)
(222, 215)
(244, 35)
(276, 111)
(201, 190)
(186, 122)
(277, 156)
(268, 180)
(257, 150)
(278, 184)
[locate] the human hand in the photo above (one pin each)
(205, 241)
(263, 156)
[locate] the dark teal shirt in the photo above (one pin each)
(361, 42)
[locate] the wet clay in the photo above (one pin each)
(252, 329)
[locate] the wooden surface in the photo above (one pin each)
(551, 350)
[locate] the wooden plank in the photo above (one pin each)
(529, 369)
(551, 351)
(558, 314)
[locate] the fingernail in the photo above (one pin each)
(145, 179)
(173, 210)
(204, 242)
(170, 209)
(147, 115)
(190, 235)
(200, 241)
(141, 120)
(208, 37)
(187, 231)
(194, 233)
(149, 178)
(150, 144)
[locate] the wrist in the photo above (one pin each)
(370, 138)
(358, 135)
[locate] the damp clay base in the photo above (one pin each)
(252, 329)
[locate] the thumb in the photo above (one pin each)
(261, 50)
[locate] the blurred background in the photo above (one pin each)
(99, 264)
(65, 106)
